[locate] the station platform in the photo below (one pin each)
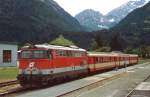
(87, 87)
(124, 85)
(142, 90)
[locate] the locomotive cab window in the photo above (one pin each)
(34, 54)
(40, 54)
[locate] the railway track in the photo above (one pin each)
(9, 87)
(3, 84)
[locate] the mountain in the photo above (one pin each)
(94, 20)
(122, 11)
(34, 20)
(135, 27)
(90, 19)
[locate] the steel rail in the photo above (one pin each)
(8, 83)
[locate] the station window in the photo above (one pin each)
(6, 56)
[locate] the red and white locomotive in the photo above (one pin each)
(46, 63)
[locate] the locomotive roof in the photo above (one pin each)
(48, 46)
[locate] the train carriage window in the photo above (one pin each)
(101, 59)
(111, 59)
(96, 58)
(115, 58)
(105, 59)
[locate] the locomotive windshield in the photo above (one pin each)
(34, 54)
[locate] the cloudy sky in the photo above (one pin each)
(76, 6)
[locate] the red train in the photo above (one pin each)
(42, 64)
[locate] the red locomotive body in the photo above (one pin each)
(49, 63)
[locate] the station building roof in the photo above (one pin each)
(9, 43)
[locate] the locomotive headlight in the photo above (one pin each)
(31, 64)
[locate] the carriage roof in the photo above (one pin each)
(109, 54)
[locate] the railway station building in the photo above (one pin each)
(8, 54)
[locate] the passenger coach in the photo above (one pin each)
(101, 61)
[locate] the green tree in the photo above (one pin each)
(116, 43)
(62, 41)
(103, 49)
(145, 51)
(93, 45)
(130, 50)
(99, 40)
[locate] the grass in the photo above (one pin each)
(8, 73)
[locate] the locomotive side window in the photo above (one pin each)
(70, 53)
(61, 53)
